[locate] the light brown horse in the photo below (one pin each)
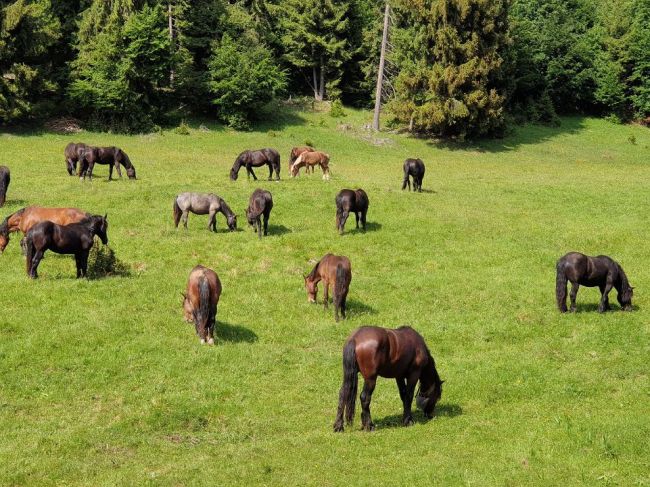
(295, 153)
(24, 219)
(310, 160)
(334, 270)
(200, 301)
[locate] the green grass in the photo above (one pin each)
(101, 382)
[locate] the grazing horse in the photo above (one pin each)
(200, 301)
(415, 169)
(24, 219)
(203, 204)
(257, 158)
(75, 238)
(260, 203)
(5, 179)
(333, 270)
(312, 159)
(73, 154)
(295, 153)
(351, 201)
(400, 354)
(601, 271)
(113, 156)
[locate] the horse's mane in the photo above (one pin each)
(126, 162)
(313, 272)
(430, 371)
(5, 223)
(624, 282)
(224, 207)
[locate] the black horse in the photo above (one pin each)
(599, 271)
(257, 158)
(113, 156)
(351, 201)
(75, 238)
(73, 154)
(415, 169)
(261, 203)
(5, 179)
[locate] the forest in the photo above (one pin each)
(454, 68)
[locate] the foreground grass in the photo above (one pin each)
(103, 384)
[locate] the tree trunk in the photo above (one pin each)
(170, 21)
(380, 71)
(321, 88)
(315, 82)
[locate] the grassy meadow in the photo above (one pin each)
(102, 383)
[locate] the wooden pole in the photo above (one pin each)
(380, 72)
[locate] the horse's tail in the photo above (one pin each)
(339, 285)
(560, 286)
(177, 212)
(203, 313)
(29, 251)
(348, 393)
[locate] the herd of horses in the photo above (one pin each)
(401, 353)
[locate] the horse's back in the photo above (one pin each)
(62, 216)
(196, 274)
(329, 263)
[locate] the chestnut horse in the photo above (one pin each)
(200, 301)
(5, 179)
(113, 156)
(351, 201)
(24, 219)
(257, 158)
(601, 271)
(75, 238)
(400, 354)
(312, 159)
(260, 204)
(295, 153)
(415, 169)
(334, 270)
(73, 154)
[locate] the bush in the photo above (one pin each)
(102, 262)
(182, 129)
(336, 110)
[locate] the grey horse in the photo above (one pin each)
(203, 204)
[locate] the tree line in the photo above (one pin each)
(453, 67)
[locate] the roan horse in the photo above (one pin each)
(400, 354)
(24, 219)
(310, 160)
(5, 179)
(75, 238)
(260, 204)
(351, 201)
(200, 301)
(203, 204)
(257, 158)
(113, 156)
(599, 271)
(74, 153)
(333, 270)
(415, 169)
(296, 152)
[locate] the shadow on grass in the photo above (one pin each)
(593, 308)
(370, 227)
(275, 230)
(11, 201)
(233, 333)
(353, 306)
(441, 411)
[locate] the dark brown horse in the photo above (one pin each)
(296, 152)
(73, 154)
(200, 301)
(113, 156)
(260, 204)
(75, 238)
(24, 219)
(334, 270)
(256, 158)
(311, 160)
(351, 201)
(399, 354)
(599, 271)
(5, 179)
(415, 169)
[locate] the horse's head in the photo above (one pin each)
(100, 226)
(130, 172)
(311, 288)
(625, 297)
(188, 314)
(4, 241)
(232, 222)
(426, 400)
(234, 172)
(250, 217)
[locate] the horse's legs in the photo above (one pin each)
(573, 294)
(344, 301)
(266, 224)
(184, 216)
(366, 396)
(36, 260)
(406, 182)
(363, 220)
(202, 332)
(212, 222)
(258, 225)
(403, 395)
(602, 291)
(249, 172)
(84, 263)
(119, 172)
(342, 219)
(356, 217)
(420, 183)
(110, 171)
(407, 401)
(602, 307)
(270, 172)
(211, 329)
(326, 290)
(77, 259)
(91, 166)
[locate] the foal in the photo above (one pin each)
(296, 152)
(351, 201)
(260, 204)
(310, 160)
(335, 270)
(200, 301)
(415, 169)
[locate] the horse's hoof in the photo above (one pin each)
(338, 427)
(202, 341)
(408, 422)
(211, 341)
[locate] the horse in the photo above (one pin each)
(5, 179)
(335, 270)
(601, 271)
(260, 203)
(113, 156)
(25, 218)
(295, 153)
(257, 158)
(75, 238)
(200, 301)
(73, 153)
(415, 169)
(351, 201)
(312, 159)
(401, 354)
(203, 204)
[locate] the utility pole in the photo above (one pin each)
(380, 72)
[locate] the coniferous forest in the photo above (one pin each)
(453, 67)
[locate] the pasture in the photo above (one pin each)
(102, 383)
